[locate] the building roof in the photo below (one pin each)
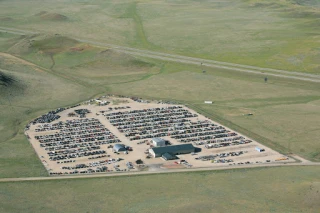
(118, 146)
(168, 156)
(173, 149)
(158, 140)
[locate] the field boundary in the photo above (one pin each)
(190, 60)
(132, 173)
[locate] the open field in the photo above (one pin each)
(274, 34)
(94, 70)
(66, 63)
(35, 89)
(296, 104)
(184, 59)
(284, 189)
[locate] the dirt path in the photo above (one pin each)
(41, 69)
(132, 173)
(17, 31)
(297, 157)
(53, 62)
(294, 75)
(22, 61)
(193, 60)
(186, 60)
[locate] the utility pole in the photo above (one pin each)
(203, 71)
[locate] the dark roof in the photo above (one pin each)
(173, 149)
(168, 156)
(118, 147)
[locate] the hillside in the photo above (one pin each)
(273, 34)
(44, 15)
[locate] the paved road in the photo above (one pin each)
(133, 173)
(191, 60)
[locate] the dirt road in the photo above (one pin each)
(132, 173)
(190, 60)
(186, 60)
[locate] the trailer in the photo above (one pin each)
(260, 149)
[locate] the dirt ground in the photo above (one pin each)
(250, 156)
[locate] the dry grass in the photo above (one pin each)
(285, 114)
(81, 71)
(28, 90)
(288, 189)
(44, 15)
(277, 34)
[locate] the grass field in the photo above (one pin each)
(285, 114)
(55, 71)
(294, 189)
(276, 34)
(51, 71)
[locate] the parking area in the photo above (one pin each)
(83, 138)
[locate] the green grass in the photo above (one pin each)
(140, 37)
(275, 34)
(35, 93)
(77, 76)
(274, 127)
(285, 111)
(287, 189)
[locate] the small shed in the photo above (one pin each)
(119, 148)
(158, 142)
(259, 149)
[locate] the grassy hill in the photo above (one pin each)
(266, 33)
(44, 15)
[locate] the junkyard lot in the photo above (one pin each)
(250, 155)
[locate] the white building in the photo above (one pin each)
(158, 142)
(260, 149)
(119, 148)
